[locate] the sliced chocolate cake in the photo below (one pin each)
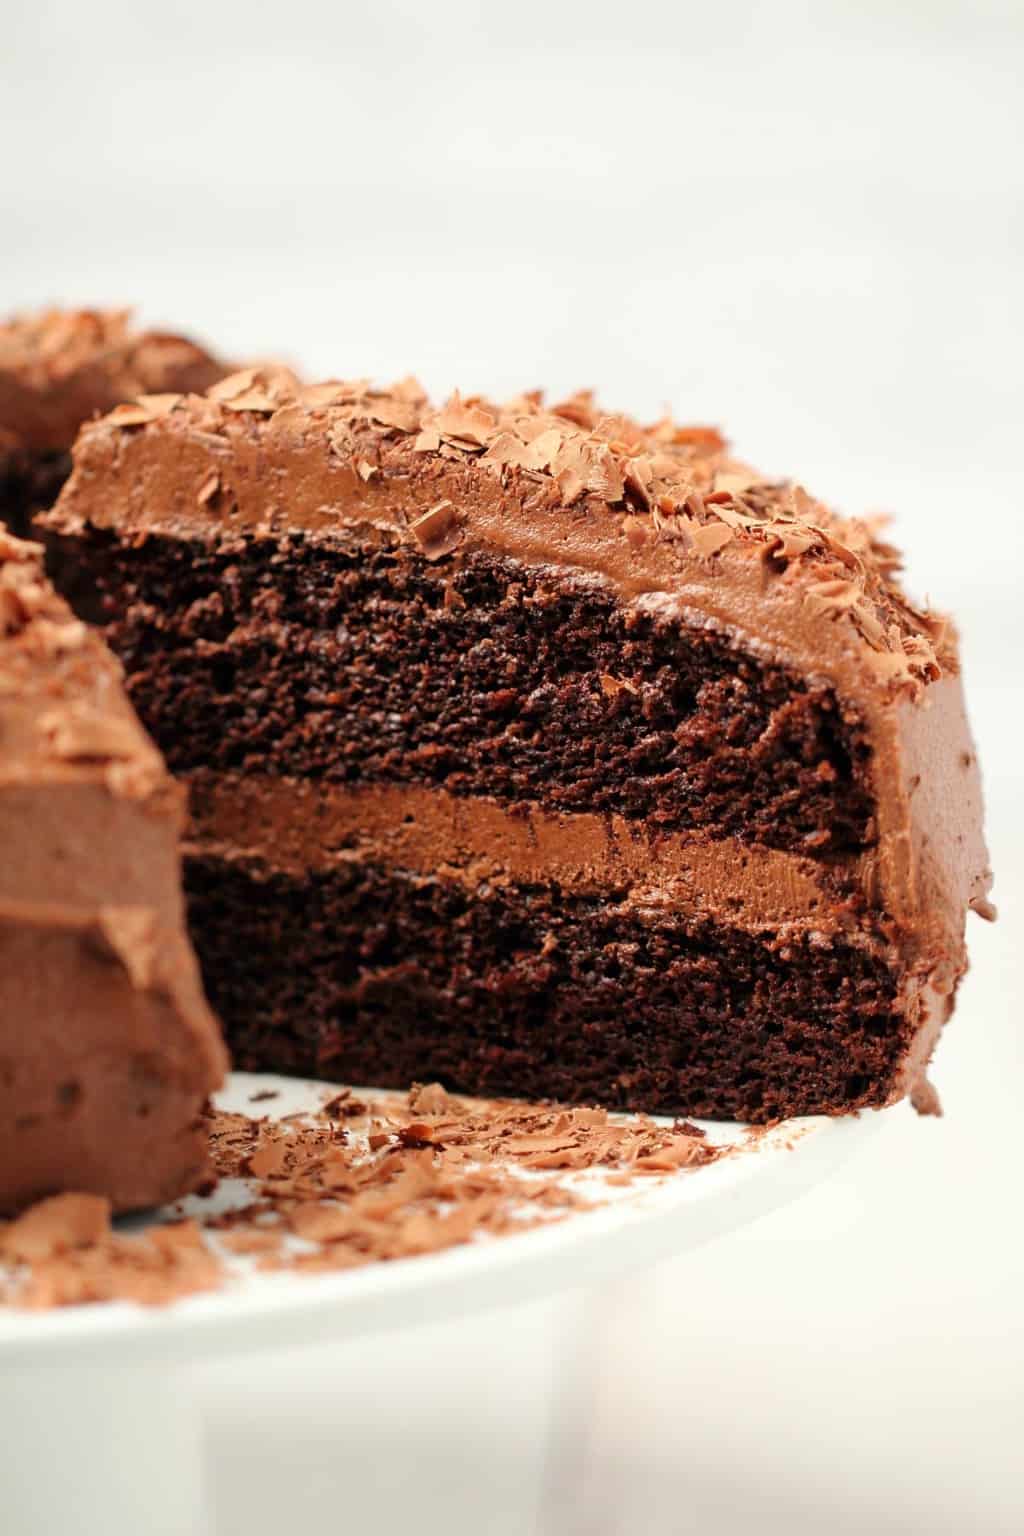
(107, 1047)
(537, 752)
(61, 367)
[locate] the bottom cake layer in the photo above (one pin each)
(366, 974)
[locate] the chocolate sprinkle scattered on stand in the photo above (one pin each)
(405, 1175)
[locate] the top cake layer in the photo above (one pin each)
(60, 367)
(644, 506)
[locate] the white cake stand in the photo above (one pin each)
(98, 1429)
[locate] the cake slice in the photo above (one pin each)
(108, 1049)
(58, 368)
(535, 751)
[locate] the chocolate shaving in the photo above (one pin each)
(437, 530)
(56, 1226)
(209, 488)
(144, 410)
(407, 1175)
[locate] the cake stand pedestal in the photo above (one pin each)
(90, 1448)
(101, 1428)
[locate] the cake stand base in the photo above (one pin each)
(453, 1425)
(89, 1449)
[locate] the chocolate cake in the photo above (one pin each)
(60, 367)
(107, 1047)
(534, 751)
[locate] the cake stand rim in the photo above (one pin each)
(656, 1223)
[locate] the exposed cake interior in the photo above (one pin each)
(519, 780)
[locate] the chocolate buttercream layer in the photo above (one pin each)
(299, 827)
(365, 973)
(108, 1049)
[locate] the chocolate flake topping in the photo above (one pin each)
(355, 1184)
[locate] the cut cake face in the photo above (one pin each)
(534, 751)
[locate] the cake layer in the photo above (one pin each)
(336, 660)
(366, 974)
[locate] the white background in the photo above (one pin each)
(804, 222)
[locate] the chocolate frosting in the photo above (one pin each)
(60, 367)
(599, 491)
(299, 825)
(662, 515)
(107, 1047)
